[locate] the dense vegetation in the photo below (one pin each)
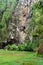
(37, 21)
(35, 26)
(12, 52)
(6, 9)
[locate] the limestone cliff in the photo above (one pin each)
(20, 21)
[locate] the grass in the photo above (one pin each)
(19, 58)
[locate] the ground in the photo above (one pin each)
(19, 58)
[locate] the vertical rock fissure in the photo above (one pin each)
(22, 15)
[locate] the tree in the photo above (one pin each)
(6, 9)
(35, 28)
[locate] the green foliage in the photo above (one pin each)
(28, 47)
(14, 47)
(21, 47)
(11, 47)
(37, 19)
(35, 27)
(8, 47)
(3, 5)
(6, 9)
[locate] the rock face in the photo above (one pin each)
(21, 18)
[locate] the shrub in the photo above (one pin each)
(14, 47)
(21, 47)
(8, 47)
(11, 47)
(28, 47)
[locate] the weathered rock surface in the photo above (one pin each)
(20, 21)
